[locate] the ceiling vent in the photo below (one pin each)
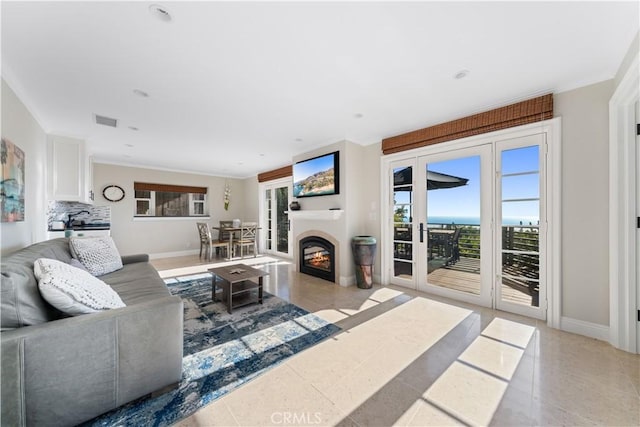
(107, 121)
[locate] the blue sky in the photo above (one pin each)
(461, 201)
(464, 201)
(306, 169)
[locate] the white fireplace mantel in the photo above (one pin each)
(327, 214)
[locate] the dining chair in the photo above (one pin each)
(225, 234)
(208, 243)
(248, 238)
(455, 247)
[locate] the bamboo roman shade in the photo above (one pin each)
(521, 113)
(276, 173)
(143, 186)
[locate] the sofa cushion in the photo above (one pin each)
(73, 290)
(98, 254)
(54, 249)
(20, 301)
(137, 283)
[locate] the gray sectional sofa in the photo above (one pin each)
(60, 370)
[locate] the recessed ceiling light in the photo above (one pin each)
(128, 145)
(261, 154)
(298, 140)
(461, 74)
(141, 93)
(358, 115)
(160, 12)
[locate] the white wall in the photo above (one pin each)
(251, 200)
(370, 199)
(163, 236)
(359, 198)
(585, 195)
(627, 61)
(21, 128)
(341, 228)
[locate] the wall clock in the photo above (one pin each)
(113, 193)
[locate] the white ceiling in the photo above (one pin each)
(238, 88)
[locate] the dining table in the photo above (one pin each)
(232, 231)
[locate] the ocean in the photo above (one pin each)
(462, 220)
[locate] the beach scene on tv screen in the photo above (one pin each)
(315, 177)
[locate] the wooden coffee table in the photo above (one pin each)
(236, 282)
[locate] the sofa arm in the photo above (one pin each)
(68, 371)
(130, 259)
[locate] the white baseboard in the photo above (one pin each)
(592, 330)
(353, 281)
(346, 281)
(174, 254)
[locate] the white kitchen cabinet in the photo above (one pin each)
(70, 170)
(88, 180)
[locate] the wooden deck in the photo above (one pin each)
(464, 276)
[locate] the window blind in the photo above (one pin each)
(144, 186)
(276, 173)
(521, 113)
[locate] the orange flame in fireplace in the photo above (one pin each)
(319, 259)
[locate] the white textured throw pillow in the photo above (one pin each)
(77, 264)
(72, 290)
(98, 254)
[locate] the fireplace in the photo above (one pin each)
(317, 258)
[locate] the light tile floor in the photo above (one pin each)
(411, 359)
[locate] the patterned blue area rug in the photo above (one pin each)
(222, 351)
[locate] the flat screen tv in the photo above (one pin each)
(319, 176)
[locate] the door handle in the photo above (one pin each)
(421, 233)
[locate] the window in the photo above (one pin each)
(162, 200)
(145, 205)
(197, 203)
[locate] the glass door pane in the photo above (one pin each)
(453, 224)
(282, 219)
(275, 219)
(268, 235)
(402, 214)
(519, 272)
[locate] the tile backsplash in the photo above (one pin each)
(59, 211)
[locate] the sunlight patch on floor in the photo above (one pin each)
(378, 296)
(331, 315)
(399, 330)
(195, 269)
(385, 294)
(471, 389)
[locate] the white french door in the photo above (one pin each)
(454, 224)
(521, 232)
(470, 224)
(403, 245)
(637, 108)
(276, 196)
